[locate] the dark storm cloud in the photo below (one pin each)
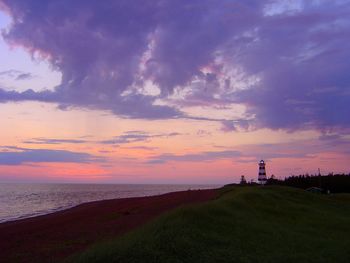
(17, 156)
(288, 65)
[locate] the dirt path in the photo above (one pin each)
(52, 237)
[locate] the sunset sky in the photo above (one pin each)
(173, 91)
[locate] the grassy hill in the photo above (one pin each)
(244, 224)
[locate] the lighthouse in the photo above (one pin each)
(262, 173)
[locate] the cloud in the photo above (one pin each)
(303, 149)
(24, 76)
(203, 133)
(228, 126)
(45, 96)
(242, 154)
(286, 63)
(196, 157)
(54, 141)
(18, 156)
(125, 106)
(16, 74)
(300, 61)
(126, 138)
(136, 136)
(146, 148)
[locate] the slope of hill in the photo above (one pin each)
(244, 224)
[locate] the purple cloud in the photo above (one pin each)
(16, 74)
(54, 141)
(17, 156)
(24, 76)
(300, 60)
(146, 148)
(286, 63)
(137, 136)
(45, 96)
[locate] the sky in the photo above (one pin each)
(173, 91)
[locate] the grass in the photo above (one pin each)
(244, 224)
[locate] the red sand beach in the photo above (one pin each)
(55, 236)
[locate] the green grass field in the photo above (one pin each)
(244, 224)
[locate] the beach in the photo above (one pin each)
(53, 237)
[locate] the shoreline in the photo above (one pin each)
(62, 233)
(56, 210)
(53, 209)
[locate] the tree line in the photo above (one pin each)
(333, 183)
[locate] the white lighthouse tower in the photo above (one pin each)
(262, 172)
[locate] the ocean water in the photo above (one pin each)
(19, 201)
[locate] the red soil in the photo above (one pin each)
(51, 238)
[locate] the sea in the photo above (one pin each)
(18, 201)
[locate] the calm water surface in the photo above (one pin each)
(26, 200)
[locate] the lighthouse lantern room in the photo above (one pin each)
(262, 172)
